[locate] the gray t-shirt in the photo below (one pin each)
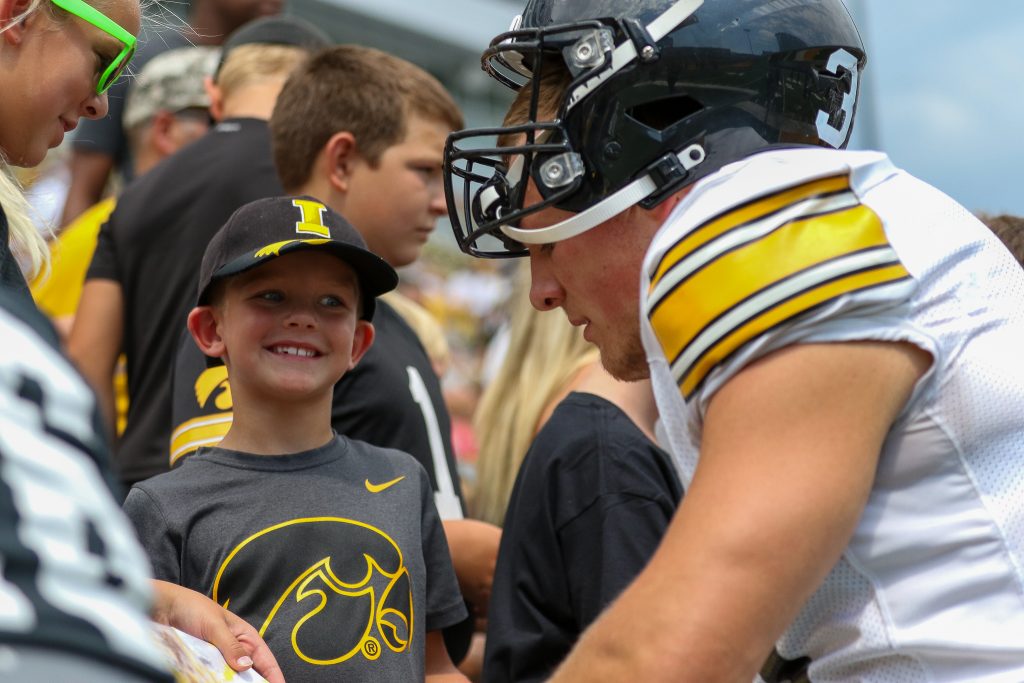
(335, 555)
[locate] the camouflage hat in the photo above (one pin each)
(171, 81)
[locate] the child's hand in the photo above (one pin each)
(198, 616)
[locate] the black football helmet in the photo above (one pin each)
(660, 94)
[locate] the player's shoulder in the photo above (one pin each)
(764, 244)
(765, 184)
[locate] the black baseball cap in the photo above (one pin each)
(267, 228)
(275, 30)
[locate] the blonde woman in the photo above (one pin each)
(591, 498)
(77, 584)
(545, 358)
(55, 67)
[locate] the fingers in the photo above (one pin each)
(238, 642)
(261, 658)
(216, 630)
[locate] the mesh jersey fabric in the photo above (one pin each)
(930, 587)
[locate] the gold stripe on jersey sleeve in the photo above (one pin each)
(207, 430)
(788, 309)
(746, 214)
(818, 255)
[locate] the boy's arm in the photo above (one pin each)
(185, 609)
(439, 667)
(788, 457)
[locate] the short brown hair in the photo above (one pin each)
(364, 91)
(554, 82)
(1010, 229)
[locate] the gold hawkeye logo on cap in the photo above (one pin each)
(377, 488)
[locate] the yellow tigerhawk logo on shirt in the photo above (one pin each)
(335, 588)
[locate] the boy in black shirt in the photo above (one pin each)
(331, 548)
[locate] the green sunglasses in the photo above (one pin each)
(92, 15)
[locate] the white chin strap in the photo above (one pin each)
(609, 207)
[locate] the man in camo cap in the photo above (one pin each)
(168, 106)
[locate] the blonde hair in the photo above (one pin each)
(25, 242)
(248, 64)
(544, 354)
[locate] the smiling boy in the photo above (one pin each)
(332, 548)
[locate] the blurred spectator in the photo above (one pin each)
(545, 357)
(137, 292)
(101, 146)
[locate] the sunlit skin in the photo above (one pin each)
(585, 276)
(396, 203)
(304, 301)
(48, 73)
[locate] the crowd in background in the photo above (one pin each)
(561, 490)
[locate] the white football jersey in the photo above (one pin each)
(815, 245)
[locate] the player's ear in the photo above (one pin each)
(340, 156)
(362, 340)
(204, 326)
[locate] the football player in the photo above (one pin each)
(833, 343)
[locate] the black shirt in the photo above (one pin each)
(152, 245)
(74, 578)
(391, 399)
(590, 504)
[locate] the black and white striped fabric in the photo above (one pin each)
(73, 578)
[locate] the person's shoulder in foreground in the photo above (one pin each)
(287, 291)
(816, 324)
(55, 476)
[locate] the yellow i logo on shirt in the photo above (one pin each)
(312, 222)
